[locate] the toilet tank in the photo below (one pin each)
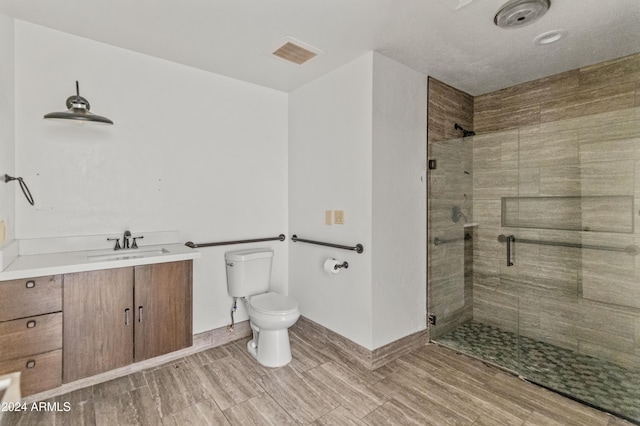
(248, 271)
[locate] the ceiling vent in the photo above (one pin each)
(295, 51)
(518, 13)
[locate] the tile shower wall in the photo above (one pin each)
(449, 295)
(605, 87)
(576, 134)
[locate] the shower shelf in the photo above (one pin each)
(609, 213)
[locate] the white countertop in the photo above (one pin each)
(37, 265)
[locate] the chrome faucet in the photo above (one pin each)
(125, 239)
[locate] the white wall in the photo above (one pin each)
(330, 169)
(208, 156)
(190, 151)
(7, 190)
(399, 200)
(357, 141)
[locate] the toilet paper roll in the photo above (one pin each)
(330, 266)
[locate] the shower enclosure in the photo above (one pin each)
(534, 254)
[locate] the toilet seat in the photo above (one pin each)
(272, 303)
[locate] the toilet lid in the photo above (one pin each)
(273, 303)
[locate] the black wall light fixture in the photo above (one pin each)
(78, 110)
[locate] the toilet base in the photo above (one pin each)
(252, 348)
(273, 349)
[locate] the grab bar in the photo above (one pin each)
(358, 248)
(280, 237)
(630, 249)
(437, 241)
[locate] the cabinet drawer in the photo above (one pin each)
(39, 373)
(30, 296)
(29, 336)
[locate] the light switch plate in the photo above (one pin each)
(327, 217)
(338, 217)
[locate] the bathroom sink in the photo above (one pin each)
(129, 254)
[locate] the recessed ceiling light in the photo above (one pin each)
(549, 37)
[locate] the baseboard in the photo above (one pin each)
(370, 359)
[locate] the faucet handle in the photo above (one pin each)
(134, 245)
(117, 240)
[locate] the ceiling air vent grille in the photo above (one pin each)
(294, 52)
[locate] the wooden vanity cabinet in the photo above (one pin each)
(98, 322)
(31, 331)
(163, 300)
(118, 316)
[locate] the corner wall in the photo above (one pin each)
(399, 202)
(330, 168)
(7, 133)
(357, 143)
(447, 106)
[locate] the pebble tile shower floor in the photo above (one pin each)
(600, 383)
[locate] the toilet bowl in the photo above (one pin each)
(270, 313)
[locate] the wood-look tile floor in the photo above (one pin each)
(225, 386)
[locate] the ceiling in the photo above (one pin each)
(454, 41)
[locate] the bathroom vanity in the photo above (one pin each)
(31, 331)
(66, 316)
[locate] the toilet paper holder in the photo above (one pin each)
(344, 265)
(333, 266)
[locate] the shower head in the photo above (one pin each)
(465, 133)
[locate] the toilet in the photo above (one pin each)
(270, 313)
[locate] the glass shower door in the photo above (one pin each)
(561, 307)
(450, 235)
(575, 255)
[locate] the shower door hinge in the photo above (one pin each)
(432, 319)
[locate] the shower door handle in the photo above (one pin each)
(509, 239)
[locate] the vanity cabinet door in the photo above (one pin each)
(163, 308)
(98, 322)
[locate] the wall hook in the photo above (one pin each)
(25, 189)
